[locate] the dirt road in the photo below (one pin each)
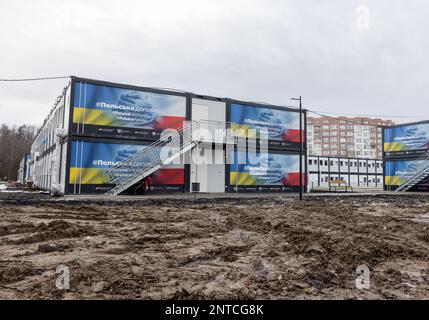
(273, 248)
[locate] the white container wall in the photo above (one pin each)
(358, 173)
(46, 150)
(109, 129)
(207, 165)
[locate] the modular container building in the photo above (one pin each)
(24, 169)
(96, 124)
(404, 153)
(356, 172)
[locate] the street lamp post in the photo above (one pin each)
(300, 145)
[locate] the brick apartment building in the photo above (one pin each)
(355, 137)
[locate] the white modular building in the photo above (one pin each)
(102, 136)
(356, 172)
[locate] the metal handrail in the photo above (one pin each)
(151, 151)
(156, 143)
(422, 165)
(110, 172)
(124, 173)
(173, 133)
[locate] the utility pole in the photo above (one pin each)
(300, 145)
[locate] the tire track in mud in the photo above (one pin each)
(54, 230)
(245, 248)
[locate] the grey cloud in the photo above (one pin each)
(251, 50)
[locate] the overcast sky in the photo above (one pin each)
(325, 50)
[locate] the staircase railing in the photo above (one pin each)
(131, 170)
(416, 172)
(149, 157)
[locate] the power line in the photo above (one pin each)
(320, 113)
(350, 121)
(372, 115)
(34, 79)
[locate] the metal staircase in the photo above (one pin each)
(416, 172)
(164, 151)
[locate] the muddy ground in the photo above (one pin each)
(264, 248)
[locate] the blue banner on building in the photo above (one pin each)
(397, 172)
(406, 138)
(118, 109)
(88, 161)
(266, 169)
(282, 126)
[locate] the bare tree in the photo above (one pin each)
(15, 142)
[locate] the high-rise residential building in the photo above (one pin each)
(346, 137)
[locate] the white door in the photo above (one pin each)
(211, 176)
